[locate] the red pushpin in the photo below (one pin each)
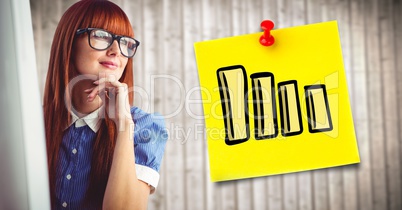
(266, 39)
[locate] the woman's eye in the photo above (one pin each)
(123, 42)
(131, 45)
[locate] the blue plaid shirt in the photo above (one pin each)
(75, 154)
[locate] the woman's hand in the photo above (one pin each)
(118, 106)
(123, 190)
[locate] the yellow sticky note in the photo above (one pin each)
(278, 109)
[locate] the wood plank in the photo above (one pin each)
(141, 77)
(335, 188)
(253, 16)
(283, 20)
(376, 120)
(397, 16)
(36, 16)
(320, 189)
(365, 194)
(147, 62)
(238, 17)
(244, 194)
(51, 14)
(259, 193)
(360, 110)
(65, 4)
(289, 191)
(212, 193)
(173, 70)
(298, 12)
(348, 193)
(389, 93)
(269, 11)
(314, 10)
(305, 190)
(349, 187)
(194, 119)
(342, 15)
(275, 192)
(228, 195)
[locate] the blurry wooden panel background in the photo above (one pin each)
(166, 81)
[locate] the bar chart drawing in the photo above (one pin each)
(318, 113)
(234, 94)
(289, 106)
(265, 119)
(232, 81)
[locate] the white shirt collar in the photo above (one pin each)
(92, 120)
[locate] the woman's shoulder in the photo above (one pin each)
(144, 119)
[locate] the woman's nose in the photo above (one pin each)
(114, 49)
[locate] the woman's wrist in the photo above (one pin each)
(125, 125)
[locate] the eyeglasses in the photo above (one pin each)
(100, 39)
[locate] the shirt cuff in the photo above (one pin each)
(147, 175)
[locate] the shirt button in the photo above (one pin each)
(68, 176)
(74, 151)
(64, 204)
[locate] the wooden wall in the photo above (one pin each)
(166, 81)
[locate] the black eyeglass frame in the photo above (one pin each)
(114, 37)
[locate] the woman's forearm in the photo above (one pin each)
(124, 190)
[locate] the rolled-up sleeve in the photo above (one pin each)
(150, 138)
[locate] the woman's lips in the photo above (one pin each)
(109, 64)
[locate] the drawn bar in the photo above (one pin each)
(265, 120)
(289, 106)
(232, 81)
(318, 114)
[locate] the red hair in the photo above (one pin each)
(57, 101)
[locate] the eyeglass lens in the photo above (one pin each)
(101, 40)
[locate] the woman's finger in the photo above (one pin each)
(96, 91)
(88, 90)
(110, 84)
(109, 81)
(100, 81)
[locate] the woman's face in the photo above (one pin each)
(91, 61)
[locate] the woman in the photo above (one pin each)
(90, 126)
